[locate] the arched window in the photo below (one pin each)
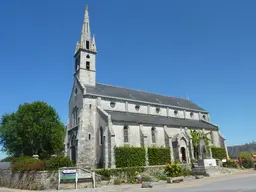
(88, 56)
(126, 137)
(175, 112)
(153, 134)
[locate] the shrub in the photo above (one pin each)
(245, 155)
(130, 156)
(162, 177)
(117, 181)
(158, 155)
(185, 171)
(127, 173)
(219, 153)
(247, 163)
(105, 174)
(173, 170)
(25, 163)
(146, 177)
(57, 162)
(230, 164)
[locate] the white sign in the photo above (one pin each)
(210, 162)
(69, 171)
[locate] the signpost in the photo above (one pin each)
(67, 175)
(72, 174)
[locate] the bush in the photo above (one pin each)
(105, 174)
(130, 156)
(57, 162)
(162, 177)
(230, 164)
(173, 170)
(158, 155)
(117, 181)
(247, 163)
(219, 153)
(127, 173)
(25, 163)
(147, 178)
(245, 155)
(185, 171)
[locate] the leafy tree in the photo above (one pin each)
(196, 135)
(35, 128)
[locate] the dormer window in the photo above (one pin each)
(137, 107)
(175, 112)
(112, 104)
(191, 114)
(87, 65)
(157, 109)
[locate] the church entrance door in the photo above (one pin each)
(183, 154)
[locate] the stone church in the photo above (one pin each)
(103, 116)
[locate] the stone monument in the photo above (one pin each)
(204, 158)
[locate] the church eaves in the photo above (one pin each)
(159, 120)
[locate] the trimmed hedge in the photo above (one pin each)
(219, 153)
(158, 155)
(25, 163)
(130, 156)
(54, 163)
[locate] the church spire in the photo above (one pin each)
(86, 32)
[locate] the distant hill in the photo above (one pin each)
(234, 151)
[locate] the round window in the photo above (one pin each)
(175, 112)
(157, 109)
(112, 104)
(191, 114)
(137, 107)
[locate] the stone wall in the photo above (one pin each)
(28, 180)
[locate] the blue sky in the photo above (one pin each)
(204, 50)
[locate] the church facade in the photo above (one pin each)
(102, 117)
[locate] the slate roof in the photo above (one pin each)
(158, 120)
(234, 151)
(125, 93)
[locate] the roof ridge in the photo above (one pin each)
(144, 91)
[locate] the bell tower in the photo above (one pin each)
(85, 55)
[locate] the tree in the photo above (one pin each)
(35, 128)
(196, 135)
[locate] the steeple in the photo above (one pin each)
(86, 41)
(85, 54)
(86, 33)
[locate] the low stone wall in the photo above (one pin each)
(28, 180)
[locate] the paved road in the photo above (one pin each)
(245, 182)
(238, 183)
